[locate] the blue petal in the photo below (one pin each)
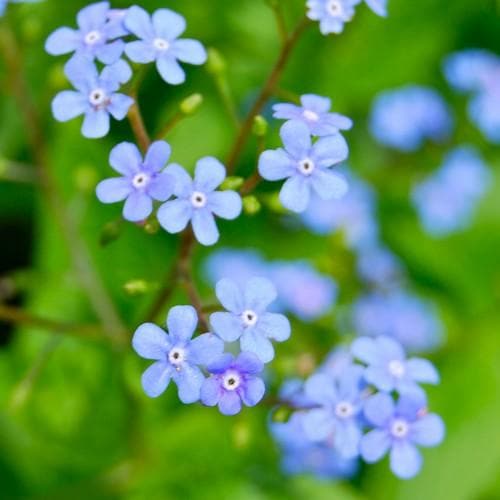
(119, 105)
(62, 41)
(140, 52)
(170, 70)
(295, 194)
(151, 342)
(248, 363)
(275, 165)
(316, 103)
(252, 341)
(204, 227)
(210, 392)
(331, 150)
(405, 460)
(126, 159)
(296, 139)
(118, 73)
(227, 326)
(275, 326)
(95, 124)
(428, 430)
(225, 204)
(378, 409)
(328, 185)
(422, 370)
(205, 349)
(183, 183)
(380, 377)
(378, 6)
(68, 104)
(221, 364)
(182, 322)
(138, 22)
(110, 52)
(287, 111)
(318, 424)
(346, 438)
(82, 73)
(157, 156)
(189, 381)
(320, 389)
(390, 348)
(190, 51)
(161, 187)
(259, 293)
(366, 350)
(229, 403)
(168, 24)
(156, 378)
(209, 174)
(374, 446)
(230, 296)
(138, 207)
(113, 190)
(174, 215)
(93, 16)
(253, 391)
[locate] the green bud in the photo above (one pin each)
(191, 104)
(260, 126)
(216, 64)
(111, 232)
(135, 288)
(233, 183)
(152, 226)
(251, 205)
(281, 415)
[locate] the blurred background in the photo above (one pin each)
(74, 422)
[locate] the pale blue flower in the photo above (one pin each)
(331, 14)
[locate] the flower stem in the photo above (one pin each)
(138, 127)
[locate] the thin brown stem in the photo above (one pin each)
(266, 92)
(250, 184)
(138, 127)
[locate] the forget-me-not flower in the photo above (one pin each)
(315, 113)
(94, 38)
(95, 96)
(400, 428)
(177, 356)
(197, 201)
(159, 42)
(306, 166)
(233, 381)
(248, 319)
(378, 266)
(331, 14)
(142, 181)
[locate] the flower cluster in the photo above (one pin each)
(349, 410)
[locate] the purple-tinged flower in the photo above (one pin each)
(233, 382)
(338, 404)
(248, 319)
(315, 113)
(404, 118)
(379, 266)
(399, 429)
(159, 42)
(331, 14)
(116, 19)
(446, 201)
(177, 356)
(197, 201)
(142, 181)
(387, 367)
(378, 6)
(305, 165)
(93, 39)
(96, 95)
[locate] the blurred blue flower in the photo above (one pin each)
(446, 201)
(387, 367)
(378, 6)
(338, 403)
(116, 19)
(141, 181)
(197, 201)
(177, 356)
(400, 429)
(305, 165)
(159, 42)
(331, 14)
(378, 266)
(92, 39)
(337, 362)
(315, 113)
(248, 319)
(404, 118)
(95, 95)
(233, 382)
(410, 320)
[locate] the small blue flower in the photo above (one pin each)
(159, 42)
(306, 166)
(142, 181)
(197, 201)
(389, 370)
(177, 356)
(233, 382)
(248, 319)
(92, 39)
(379, 266)
(314, 112)
(400, 429)
(331, 14)
(95, 95)
(378, 6)
(338, 404)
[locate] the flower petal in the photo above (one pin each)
(275, 326)
(330, 150)
(95, 124)
(227, 326)
(204, 227)
(405, 460)
(316, 103)
(138, 207)
(205, 348)
(62, 41)
(110, 52)
(156, 378)
(168, 24)
(422, 370)
(380, 378)
(210, 392)
(428, 430)
(161, 187)
(253, 392)
(374, 445)
(328, 185)
(318, 424)
(119, 105)
(140, 52)
(346, 439)
(275, 165)
(151, 342)
(138, 22)
(259, 293)
(295, 194)
(170, 70)
(209, 174)
(225, 204)
(365, 349)
(174, 215)
(126, 159)
(92, 16)
(157, 156)
(254, 342)
(189, 381)
(113, 190)
(320, 389)
(183, 182)
(182, 322)
(296, 139)
(379, 409)
(221, 364)
(248, 363)
(229, 295)
(68, 104)
(230, 403)
(190, 51)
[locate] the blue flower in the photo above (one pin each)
(305, 166)
(197, 201)
(338, 404)
(378, 6)
(331, 14)
(314, 112)
(400, 429)
(446, 201)
(177, 356)
(379, 266)
(116, 21)
(92, 40)
(233, 382)
(141, 181)
(389, 370)
(248, 319)
(159, 42)
(404, 118)
(95, 95)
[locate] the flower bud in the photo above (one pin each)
(191, 104)
(251, 205)
(216, 64)
(260, 126)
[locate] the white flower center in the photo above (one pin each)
(231, 381)
(249, 318)
(198, 199)
(92, 37)
(161, 44)
(98, 98)
(397, 368)
(334, 8)
(140, 180)
(399, 428)
(344, 409)
(306, 166)
(177, 356)
(310, 115)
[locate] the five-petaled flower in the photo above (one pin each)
(142, 181)
(177, 356)
(197, 201)
(96, 95)
(305, 165)
(248, 319)
(331, 14)
(159, 42)
(233, 382)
